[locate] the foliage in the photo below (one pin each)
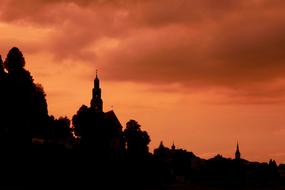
(136, 140)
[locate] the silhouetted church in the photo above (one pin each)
(97, 128)
(110, 119)
(97, 105)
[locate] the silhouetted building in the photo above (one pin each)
(97, 128)
(177, 165)
(116, 142)
(237, 154)
(162, 152)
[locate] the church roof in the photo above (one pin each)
(112, 118)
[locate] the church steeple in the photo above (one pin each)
(237, 154)
(96, 102)
(96, 81)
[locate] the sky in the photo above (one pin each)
(202, 74)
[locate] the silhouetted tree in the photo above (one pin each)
(80, 121)
(15, 60)
(136, 140)
(272, 164)
(18, 101)
(90, 127)
(40, 96)
(273, 170)
(61, 130)
(23, 102)
(4, 105)
(1, 66)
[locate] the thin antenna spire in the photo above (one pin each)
(237, 146)
(237, 154)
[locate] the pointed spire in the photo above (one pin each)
(237, 154)
(96, 81)
(161, 145)
(173, 146)
(96, 77)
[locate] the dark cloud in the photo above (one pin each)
(227, 44)
(236, 46)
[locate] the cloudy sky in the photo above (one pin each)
(204, 74)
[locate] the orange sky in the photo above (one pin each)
(203, 74)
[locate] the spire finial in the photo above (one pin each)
(96, 73)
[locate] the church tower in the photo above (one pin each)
(237, 155)
(96, 102)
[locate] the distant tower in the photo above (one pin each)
(96, 102)
(237, 155)
(161, 145)
(173, 146)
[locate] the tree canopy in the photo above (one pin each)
(136, 140)
(24, 112)
(15, 60)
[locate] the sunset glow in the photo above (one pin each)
(202, 74)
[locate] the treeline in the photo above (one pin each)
(40, 151)
(24, 110)
(54, 149)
